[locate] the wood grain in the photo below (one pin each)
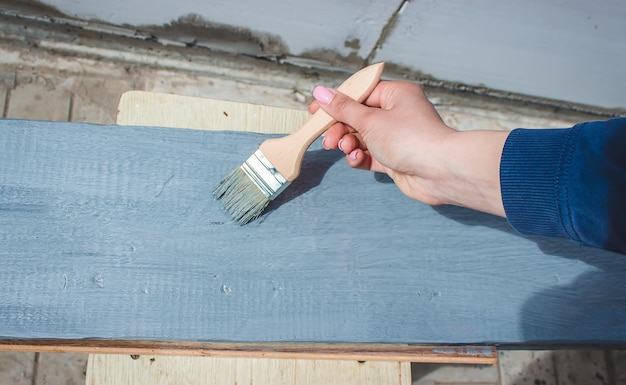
(110, 232)
(308, 368)
(308, 351)
(140, 108)
(117, 370)
(227, 362)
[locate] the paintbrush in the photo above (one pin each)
(249, 188)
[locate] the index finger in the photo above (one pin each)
(313, 107)
(388, 94)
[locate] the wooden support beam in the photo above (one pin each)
(309, 351)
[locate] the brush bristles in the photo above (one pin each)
(240, 196)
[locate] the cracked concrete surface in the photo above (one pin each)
(385, 32)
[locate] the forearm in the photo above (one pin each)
(554, 182)
(470, 176)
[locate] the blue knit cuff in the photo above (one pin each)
(530, 173)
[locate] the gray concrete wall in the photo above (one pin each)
(570, 50)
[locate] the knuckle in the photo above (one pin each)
(342, 103)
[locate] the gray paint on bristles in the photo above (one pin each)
(112, 232)
(240, 197)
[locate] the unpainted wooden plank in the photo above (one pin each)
(338, 351)
(139, 108)
(123, 369)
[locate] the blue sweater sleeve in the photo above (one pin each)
(568, 182)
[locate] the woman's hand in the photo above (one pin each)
(398, 131)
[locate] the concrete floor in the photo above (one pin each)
(51, 79)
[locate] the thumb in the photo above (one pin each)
(341, 107)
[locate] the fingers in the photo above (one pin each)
(391, 104)
(363, 160)
(341, 137)
(313, 107)
(344, 138)
(333, 136)
(349, 143)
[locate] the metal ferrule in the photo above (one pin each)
(266, 177)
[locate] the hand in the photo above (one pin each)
(398, 131)
(397, 136)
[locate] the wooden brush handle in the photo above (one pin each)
(286, 153)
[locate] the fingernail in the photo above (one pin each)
(323, 95)
(339, 144)
(324, 144)
(352, 155)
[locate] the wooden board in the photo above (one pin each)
(140, 108)
(311, 351)
(119, 370)
(148, 108)
(110, 233)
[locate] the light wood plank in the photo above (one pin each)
(119, 370)
(319, 351)
(140, 108)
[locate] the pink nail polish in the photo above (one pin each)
(324, 144)
(339, 144)
(323, 95)
(352, 155)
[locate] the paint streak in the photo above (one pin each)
(163, 186)
(485, 352)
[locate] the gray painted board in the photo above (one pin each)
(111, 232)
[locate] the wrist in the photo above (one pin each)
(470, 171)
